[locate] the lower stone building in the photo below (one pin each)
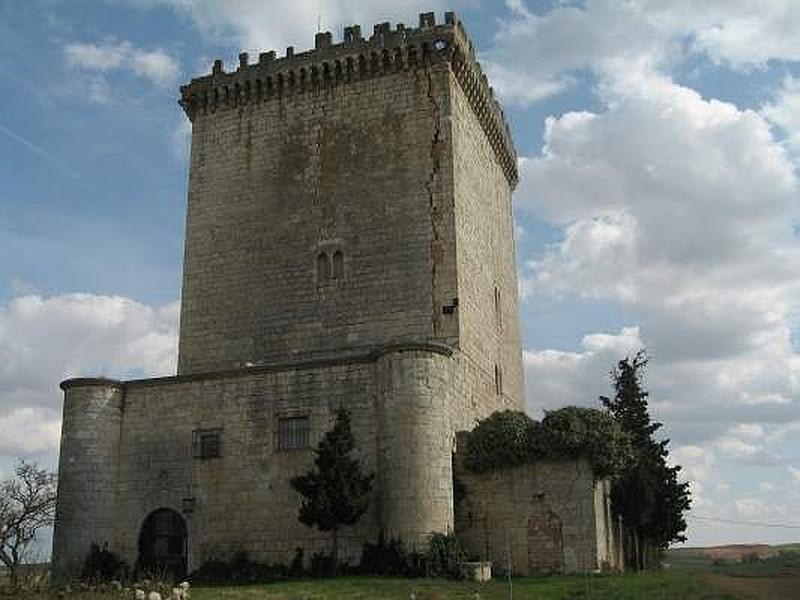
(543, 518)
(188, 469)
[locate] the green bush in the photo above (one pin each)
(239, 569)
(445, 557)
(322, 565)
(296, 568)
(388, 557)
(103, 566)
(509, 438)
(502, 439)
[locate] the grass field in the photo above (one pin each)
(691, 576)
(653, 586)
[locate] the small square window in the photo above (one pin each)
(293, 433)
(206, 443)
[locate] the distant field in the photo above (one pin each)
(776, 577)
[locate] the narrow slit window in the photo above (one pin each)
(498, 311)
(323, 267)
(338, 264)
(294, 433)
(498, 380)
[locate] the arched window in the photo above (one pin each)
(338, 264)
(323, 268)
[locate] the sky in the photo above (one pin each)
(659, 146)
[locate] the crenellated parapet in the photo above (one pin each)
(358, 58)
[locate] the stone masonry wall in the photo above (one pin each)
(406, 405)
(241, 501)
(357, 168)
(485, 248)
(539, 517)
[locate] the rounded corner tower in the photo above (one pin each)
(349, 240)
(87, 469)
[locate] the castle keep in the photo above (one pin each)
(349, 244)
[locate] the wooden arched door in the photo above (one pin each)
(163, 542)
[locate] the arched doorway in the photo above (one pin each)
(162, 543)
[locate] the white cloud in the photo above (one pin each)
(753, 508)
(181, 140)
(46, 340)
(97, 58)
(29, 431)
(681, 210)
(21, 287)
(749, 431)
(741, 33)
(259, 25)
(697, 462)
(535, 54)
(555, 378)
(795, 474)
(784, 112)
(156, 65)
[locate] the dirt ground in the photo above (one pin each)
(761, 588)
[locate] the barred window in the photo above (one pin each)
(206, 443)
(293, 433)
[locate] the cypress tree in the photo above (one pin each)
(336, 492)
(648, 495)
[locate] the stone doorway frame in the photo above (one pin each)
(163, 543)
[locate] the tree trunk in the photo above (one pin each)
(645, 552)
(13, 576)
(335, 557)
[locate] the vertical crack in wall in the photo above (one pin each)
(430, 186)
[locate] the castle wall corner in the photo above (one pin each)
(87, 471)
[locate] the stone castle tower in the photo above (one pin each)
(349, 243)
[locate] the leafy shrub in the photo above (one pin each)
(389, 557)
(588, 432)
(296, 568)
(103, 565)
(751, 558)
(445, 557)
(502, 439)
(510, 438)
(239, 569)
(322, 565)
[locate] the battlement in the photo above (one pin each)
(357, 58)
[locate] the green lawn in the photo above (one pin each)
(653, 586)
